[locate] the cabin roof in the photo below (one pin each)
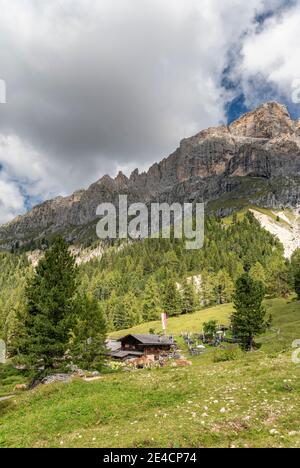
(123, 354)
(149, 339)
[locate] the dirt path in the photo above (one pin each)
(6, 398)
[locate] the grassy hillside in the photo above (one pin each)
(183, 323)
(286, 319)
(252, 401)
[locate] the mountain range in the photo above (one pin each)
(253, 161)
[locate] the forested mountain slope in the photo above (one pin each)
(135, 283)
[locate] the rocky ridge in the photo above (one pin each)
(255, 160)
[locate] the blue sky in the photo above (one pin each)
(238, 106)
(95, 86)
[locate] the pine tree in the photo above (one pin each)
(208, 289)
(132, 309)
(224, 287)
(120, 318)
(171, 299)
(152, 308)
(295, 260)
(277, 276)
(171, 261)
(257, 272)
(109, 309)
(249, 318)
(297, 283)
(234, 266)
(188, 297)
(15, 331)
(51, 307)
(295, 269)
(87, 338)
(127, 312)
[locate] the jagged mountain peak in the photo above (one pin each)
(121, 180)
(134, 175)
(254, 160)
(104, 179)
(269, 120)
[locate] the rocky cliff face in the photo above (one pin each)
(255, 160)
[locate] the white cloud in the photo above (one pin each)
(11, 199)
(24, 172)
(22, 162)
(272, 54)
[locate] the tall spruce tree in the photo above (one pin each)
(249, 318)
(297, 282)
(224, 287)
(189, 298)
(127, 312)
(51, 307)
(132, 309)
(295, 272)
(151, 301)
(171, 299)
(257, 272)
(87, 338)
(208, 289)
(277, 276)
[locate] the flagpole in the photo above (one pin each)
(164, 322)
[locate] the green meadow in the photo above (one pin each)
(225, 399)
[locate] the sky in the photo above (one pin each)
(93, 87)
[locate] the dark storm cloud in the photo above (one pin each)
(111, 83)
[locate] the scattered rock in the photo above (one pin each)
(50, 379)
(75, 370)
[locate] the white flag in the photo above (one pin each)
(164, 321)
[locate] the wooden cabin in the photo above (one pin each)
(133, 346)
